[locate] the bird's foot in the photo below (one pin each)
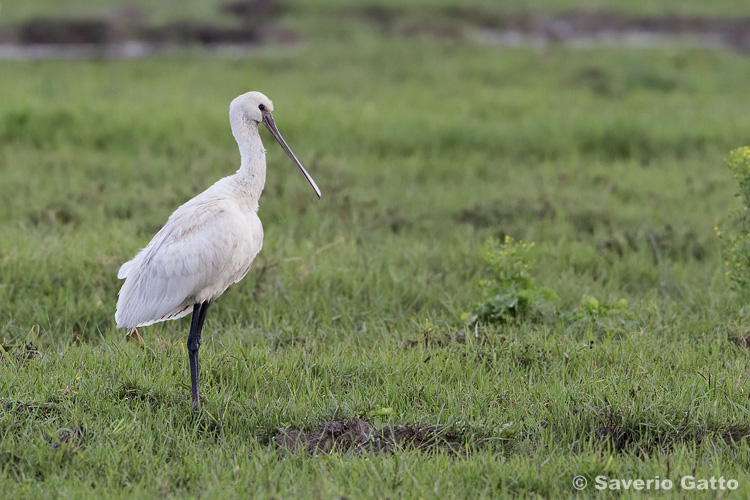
(140, 339)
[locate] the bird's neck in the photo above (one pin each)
(252, 171)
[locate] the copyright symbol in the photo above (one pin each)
(579, 482)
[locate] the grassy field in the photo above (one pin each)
(610, 160)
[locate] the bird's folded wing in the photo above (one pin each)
(191, 252)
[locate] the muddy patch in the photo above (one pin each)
(43, 410)
(358, 437)
(68, 437)
(54, 31)
(131, 391)
(616, 429)
(424, 438)
(338, 436)
(575, 28)
(20, 353)
(605, 28)
(25, 410)
(432, 338)
(125, 32)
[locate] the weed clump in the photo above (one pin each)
(591, 307)
(736, 239)
(511, 292)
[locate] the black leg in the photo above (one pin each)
(193, 344)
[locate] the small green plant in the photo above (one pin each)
(591, 307)
(736, 238)
(511, 293)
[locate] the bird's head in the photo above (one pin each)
(252, 108)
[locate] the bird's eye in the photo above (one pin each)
(262, 107)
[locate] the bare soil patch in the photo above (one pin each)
(617, 429)
(125, 32)
(22, 353)
(594, 27)
(357, 436)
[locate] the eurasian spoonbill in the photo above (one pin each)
(208, 243)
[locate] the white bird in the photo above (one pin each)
(208, 243)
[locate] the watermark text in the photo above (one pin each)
(657, 483)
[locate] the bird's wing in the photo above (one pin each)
(193, 251)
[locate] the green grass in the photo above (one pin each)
(610, 160)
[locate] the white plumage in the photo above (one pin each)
(208, 243)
